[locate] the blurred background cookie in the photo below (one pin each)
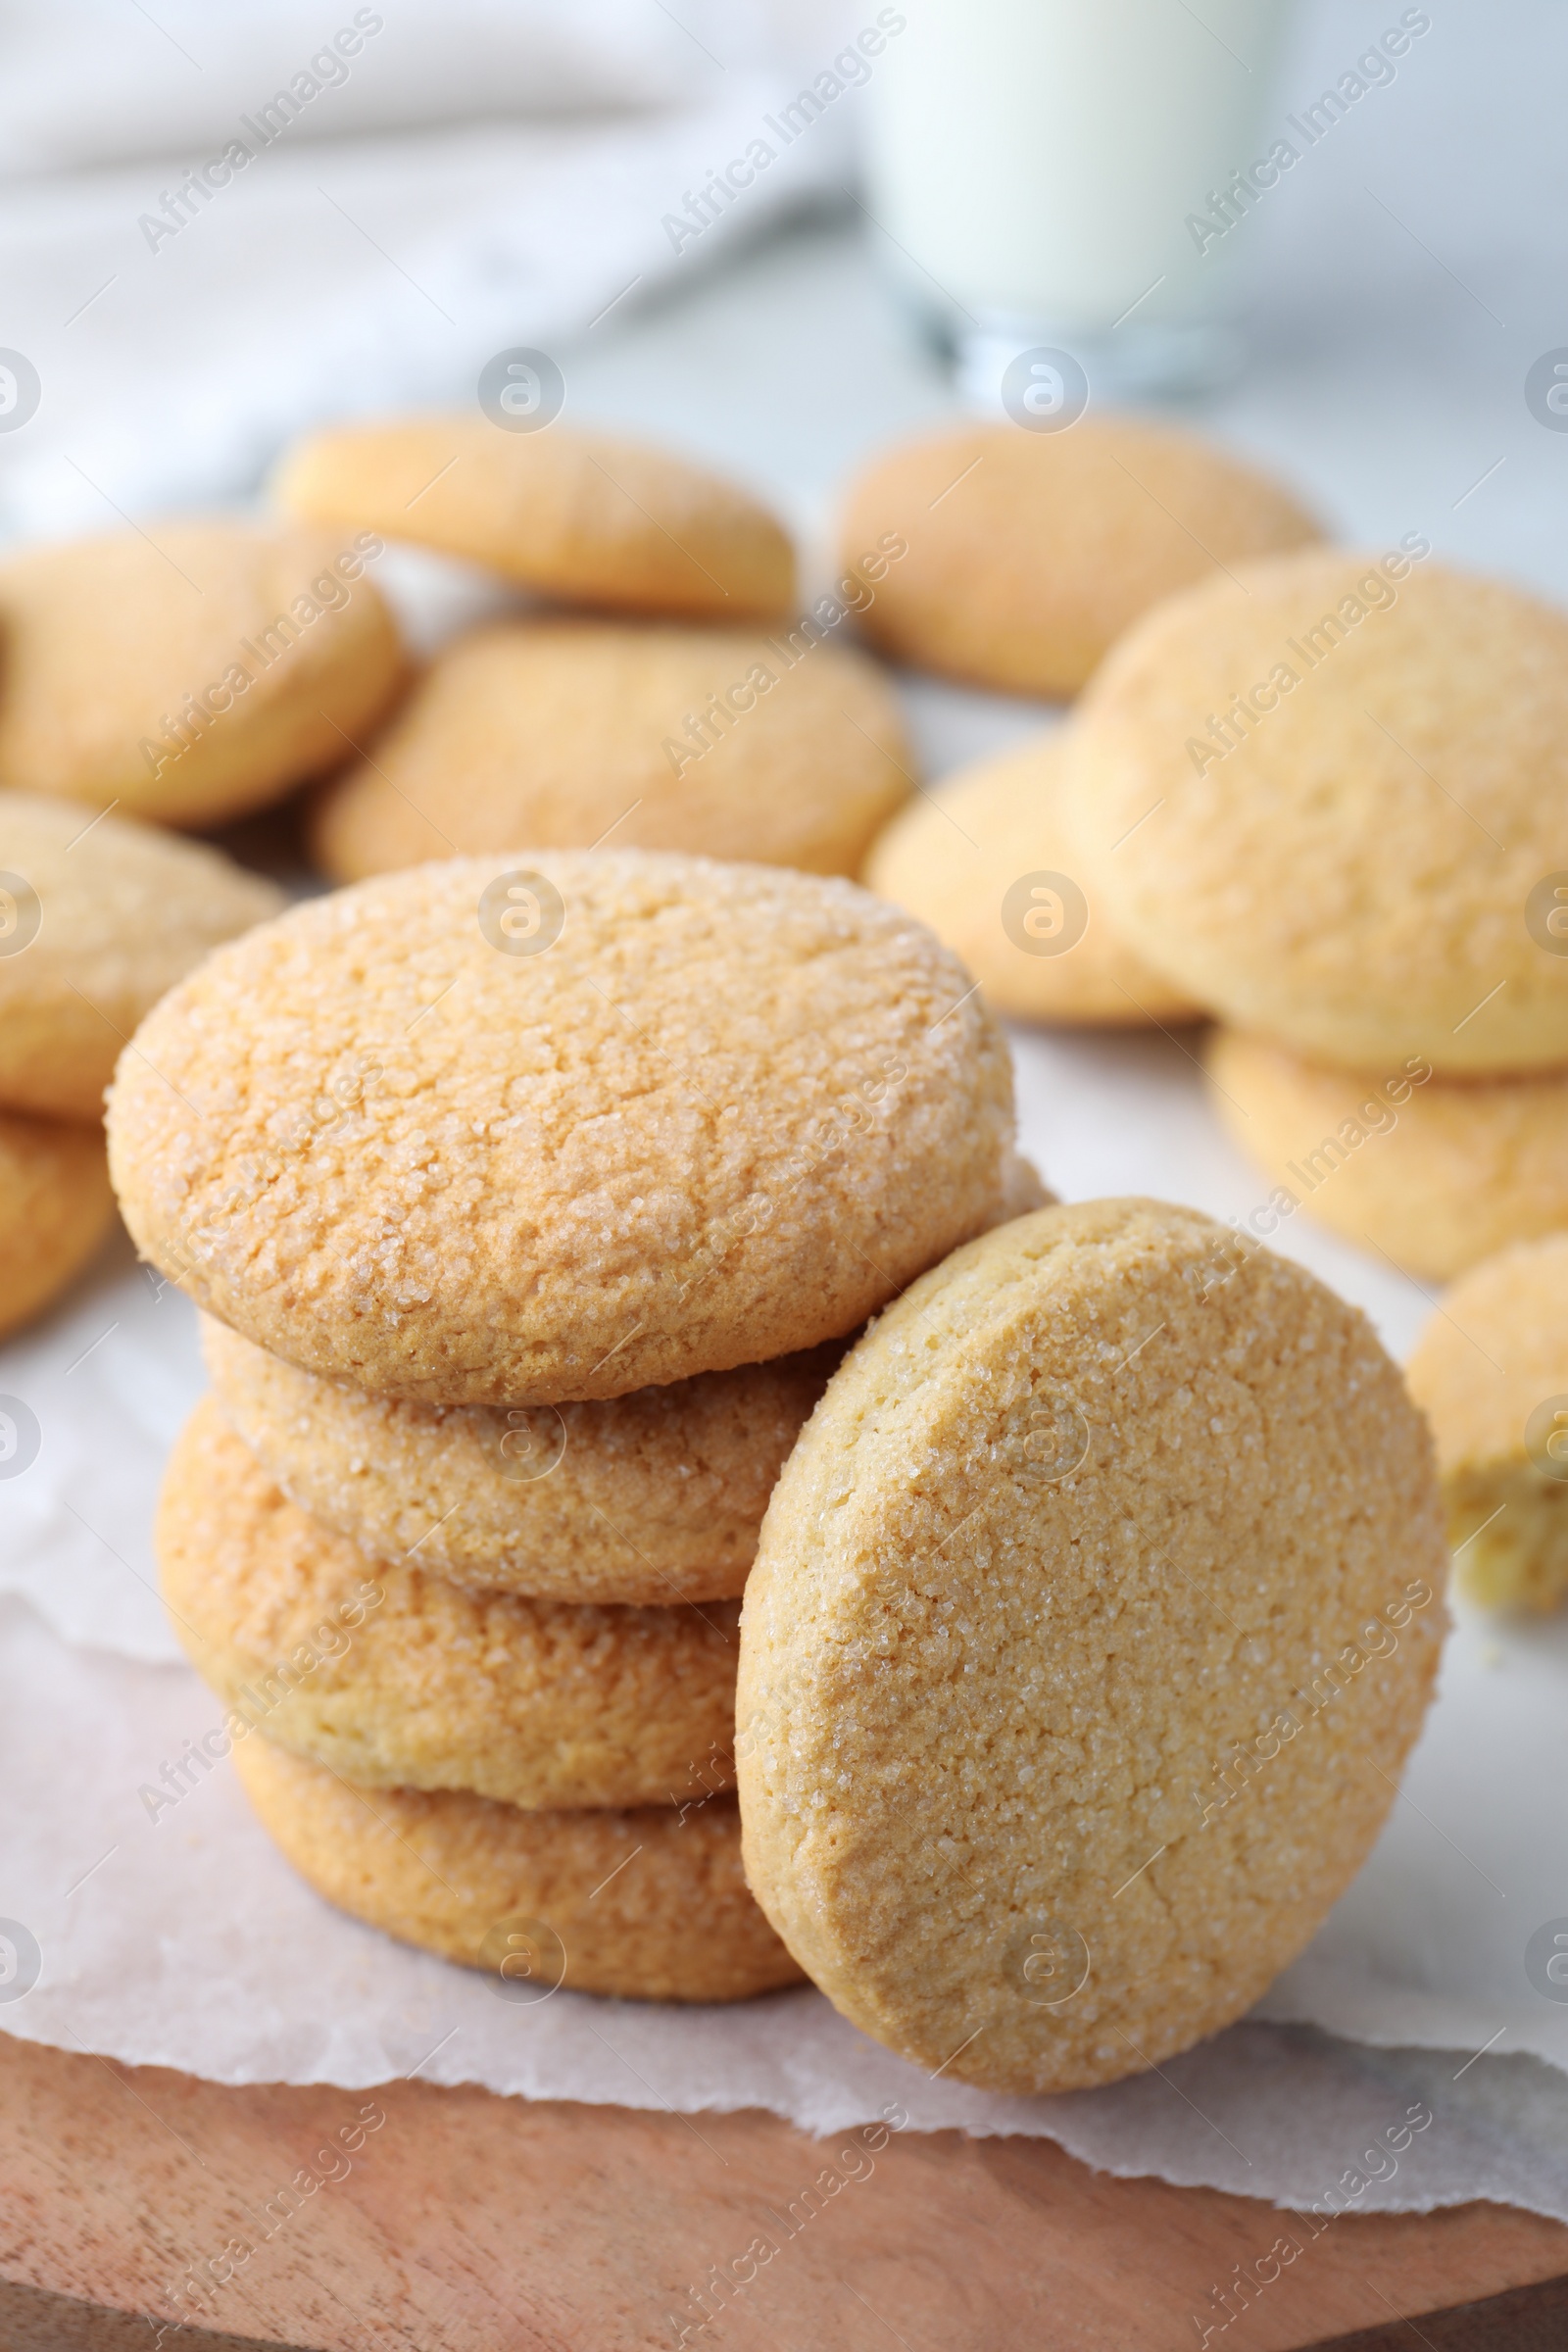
(1432, 1173)
(646, 1905)
(990, 862)
(397, 1679)
(190, 671)
(97, 918)
(1029, 553)
(585, 519)
(55, 1208)
(555, 734)
(1490, 1373)
(1327, 799)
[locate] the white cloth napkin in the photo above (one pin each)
(481, 177)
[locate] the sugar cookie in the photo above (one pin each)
(1326, 798)
(55, 1208)
(1107, 1511)
(1490, 1373)
(97, 919)
(554, 733)
(656, 1497)
(652, 1498)
(190, 672)
(644, 1905)
(584, 517)
(989, 863)
(1434, 1172)
(398, 1679)
(1029, 553)
(726, 1114)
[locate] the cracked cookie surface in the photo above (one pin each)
(1094, 1616)
(636, 1904)
(723, 1113)
(399, 1678)
(657, 1496)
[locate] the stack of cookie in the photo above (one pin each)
(97, 917)
(1328, 800)
(684, 707)
(530, 1206)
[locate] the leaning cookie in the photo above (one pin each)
(97, 920)
(1027, 554)
(510, 1133)
(652, 1498)
(991, 865)
(1325, 797)
(1104, 1516)
(1434, 1172)
(559, 732)
(1490, 1373)
(190, 672)
(55, 1208)
(644, 1905)
(397, 1679)
(583, 517)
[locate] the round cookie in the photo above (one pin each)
(190, 673)
(584, 517)
(989, 857)
(1434, 1172)
(1360, 859)
(398, 1679)
(642, 1905)
(55, 1208)
(97, 920)
(652, 1498)
(1105, 1513)
(1490, 1373)
(1029, 553)
(559, 732)
(727, 1114)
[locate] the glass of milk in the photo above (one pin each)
(1076, 176)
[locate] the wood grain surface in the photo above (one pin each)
(464, 2220)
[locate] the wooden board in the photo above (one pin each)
(466, 2223)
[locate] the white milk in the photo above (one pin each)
(1033, 164)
